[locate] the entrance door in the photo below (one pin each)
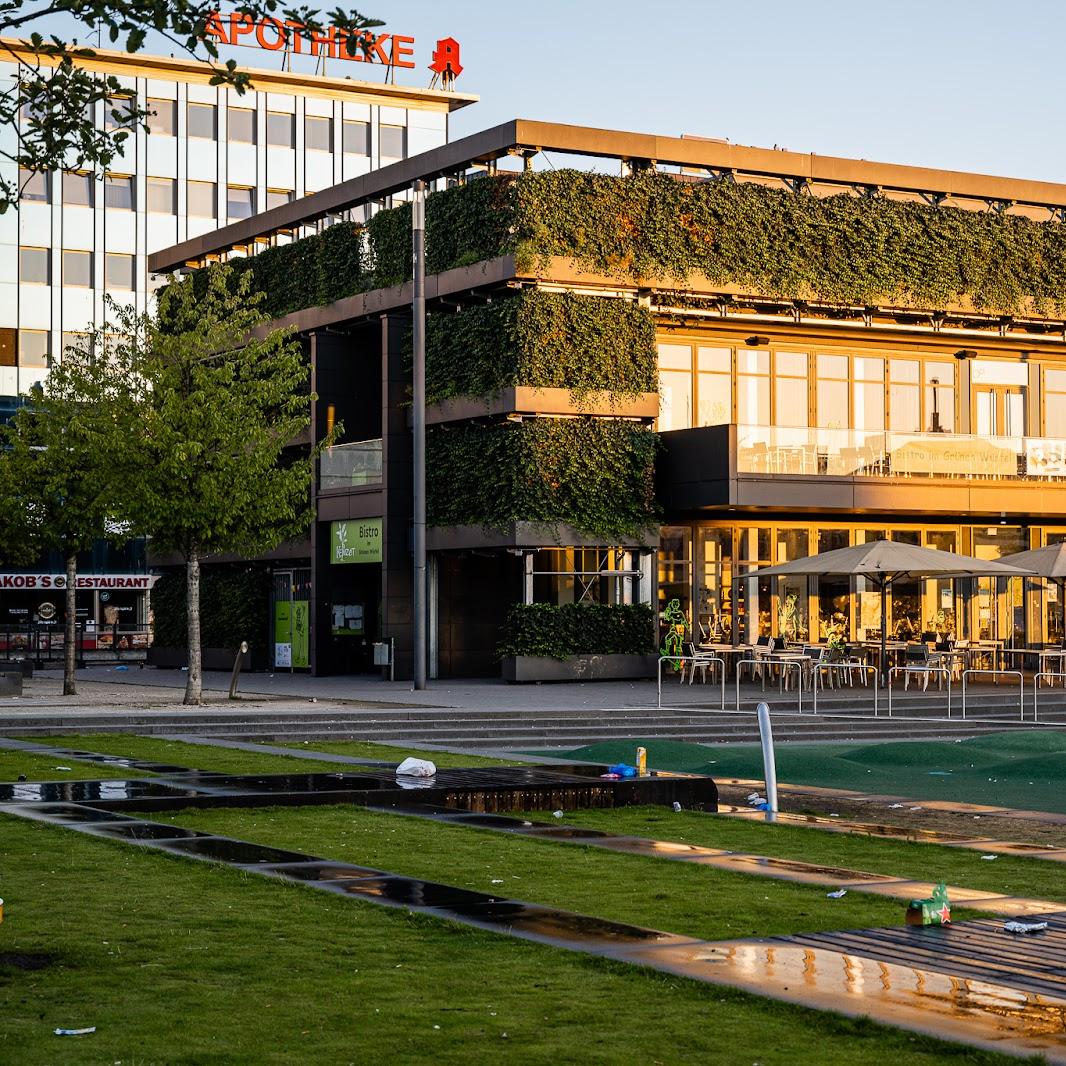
(999, 410)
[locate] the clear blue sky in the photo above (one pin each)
(976, 85)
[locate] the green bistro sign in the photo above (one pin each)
(355, 541)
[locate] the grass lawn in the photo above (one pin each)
(43, 768)
(1036, 878)
(361, 749)
(1023, 769)
(675, 897)
(182, 962)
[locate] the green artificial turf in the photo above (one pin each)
(1019, 769)
(43, 768)
(1012, 876)
(361, 749)
(181, 962)
(675, 897)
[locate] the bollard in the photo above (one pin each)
(766, 735)
(242, 651)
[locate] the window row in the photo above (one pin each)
(161, 194)
(35, 268)
(25, 347)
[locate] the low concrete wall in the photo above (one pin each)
(10, 682)
(527, 668)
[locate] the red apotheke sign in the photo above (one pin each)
(274, 35)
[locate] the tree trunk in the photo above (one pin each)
(70, 628)
(194, 682)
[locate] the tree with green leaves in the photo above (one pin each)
(224, 403)
(58, 481)
(57, 97)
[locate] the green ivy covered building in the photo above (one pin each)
(647, 381)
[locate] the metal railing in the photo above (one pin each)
(923, 671)
(1036, 688)
(782, 664)
(353, 465)
(827, 667)
(999, 673)
(697, 661)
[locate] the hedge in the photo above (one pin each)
(595, 474)
(587, 344)
(577, 629)
(234, 606)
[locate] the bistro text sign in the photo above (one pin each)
(136, 582)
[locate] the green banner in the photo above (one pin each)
(357, 540)
(301, 630)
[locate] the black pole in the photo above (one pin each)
(418, 316)
(884, 632)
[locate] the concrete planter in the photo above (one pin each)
(528, 668)
(212, 658)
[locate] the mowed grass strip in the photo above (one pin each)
(14, 764)
(671, 896)
(362, 749)
(184, 962)
(1035, 878)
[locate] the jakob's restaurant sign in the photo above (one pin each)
(274, 35)
(134, 582)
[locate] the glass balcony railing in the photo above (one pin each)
(346, 466)
(858, 453)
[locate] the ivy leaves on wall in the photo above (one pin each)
(544, 629)
(235, 607)
(586, 344)
(596, 474)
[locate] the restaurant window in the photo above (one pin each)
(118, 192)
(163, 120)
(941, 616)
(939, 397)
(831, 391)
(753, 387)
(118, 112)
(118, 271)
(355, 137)
(241, 122)
(714, 386)
(675, 562)
(792, 620)
(392, 142)
(33, 347)
(281, 129)
(790, 389)
(162, 196)
(868, 393)
(240, 202)
(34, 186)
(834, 592)
(77, 188)
(715, 584)
(277, 197)
(1054, 403)
(202, 202)
(754, 596)
(318, 133)
(904, 396)
(78, 269)
(675, 387)
(203, 121)
(35, 266)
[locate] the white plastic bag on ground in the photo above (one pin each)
(416, 768)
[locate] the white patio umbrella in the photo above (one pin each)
(884, 562)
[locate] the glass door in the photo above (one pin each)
(999, 410)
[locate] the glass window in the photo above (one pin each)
(790, 389)
(74, 340)
(904, 398)
(998, 372)
(203, 121)
(277, 197)
(281, 129)
(793, 364)
(715, 386)
(241, 125)
(753, 387)
(118, 191)
(163, 121)
(33, 347)
(675, 399)
(675, 357)
(34, 186)
(1055, 403)
(715, 584)
(869, 405)
(867, 369)
(939, 397)
(78, 269)
(77, 188)
(240, 202)
(832, 366)
(117, 112)
(356, 137)
(904, 370)
(118, 271)
(392, 142)
(831, 392)
(8, 347)
(753, 361)
(162, 196)
(675, 568)
(201, 199)
(318, 133)
(35, 266)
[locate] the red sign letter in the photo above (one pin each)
(446, 58)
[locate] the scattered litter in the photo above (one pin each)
(939, 773)
(185, 668)
(75, 1032)
(557, 814)
(314, 699)
(834, 816)
(66, 769)
(754, 797)
(936, 910)
(121, 668)
(1024, 927)
(896, 806)
(496, 881)
(840, 893)
(989, 858)
(677, 807)
(22, 777)
(416, 768)
(623, 770)
(436, 1027)
(917, 808)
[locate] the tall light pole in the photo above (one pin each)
(418, 422)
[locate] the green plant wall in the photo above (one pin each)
(587, 344)
(595, 474)
(577, 629)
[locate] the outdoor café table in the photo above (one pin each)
(947, 659)
(991, 648)
(732, 653)
(799, 658)
(891, 646)
(1052, 657)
